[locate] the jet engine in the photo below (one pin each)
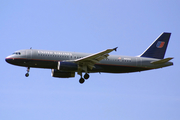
(67, 66)
(62, 74)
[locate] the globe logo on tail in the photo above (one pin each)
(160, 44)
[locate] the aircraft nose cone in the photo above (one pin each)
(8, 60)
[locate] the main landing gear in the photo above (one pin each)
(27, 74)
(81, 80)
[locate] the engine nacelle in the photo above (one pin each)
(67, 66)
(62, 74)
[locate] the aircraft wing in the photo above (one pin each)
(96, 57)
(90, 60)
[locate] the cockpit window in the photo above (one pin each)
(17, 53)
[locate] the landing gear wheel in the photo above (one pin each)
(27, 74)
(86, 76)
(81, 80)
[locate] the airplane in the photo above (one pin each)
(66, 64)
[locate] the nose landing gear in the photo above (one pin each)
(27, 74)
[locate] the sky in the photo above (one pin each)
(89, 26)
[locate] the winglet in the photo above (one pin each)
(115, 48)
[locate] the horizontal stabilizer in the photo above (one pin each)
(161, 61)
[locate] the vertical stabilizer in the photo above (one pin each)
(158, 48)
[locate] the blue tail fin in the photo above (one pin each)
(158, 48)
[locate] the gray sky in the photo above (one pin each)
(89, 26)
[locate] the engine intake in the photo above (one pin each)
(62, 74)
